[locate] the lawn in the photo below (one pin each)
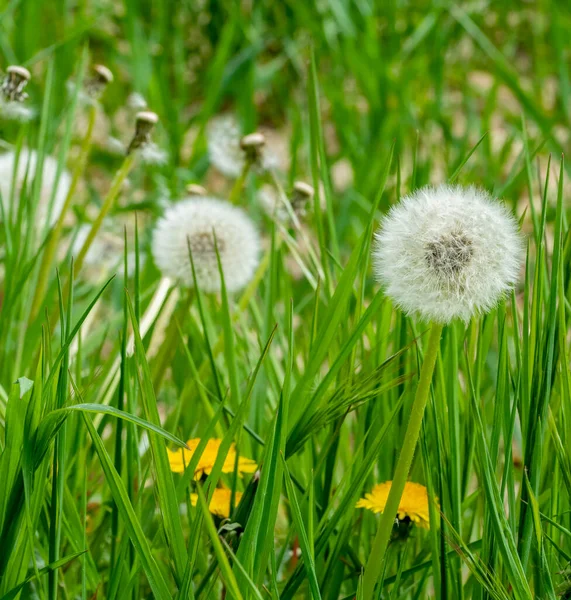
(285, 300)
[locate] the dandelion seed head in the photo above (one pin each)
(448, 252)
(25, 173)
(228, 150)
(152, 154)
(199, 223)
(224, 150)
(16, 111)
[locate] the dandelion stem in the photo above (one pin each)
(120, 177)
(239, 184)
(376, 560)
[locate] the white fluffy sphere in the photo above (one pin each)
(26, 172)
(448, 252)
(197, 222)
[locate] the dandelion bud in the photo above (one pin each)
(15, 81)
(252, 145)
(12, 95)
(448, 252)
(96, 84)
(193, 189)
(145, 122)
(301, 196)
(201, 227)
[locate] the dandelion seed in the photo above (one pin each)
(200, 223)
(448, 252)
(180, 459)
(26, 173)
(220, 502)
(413, 506)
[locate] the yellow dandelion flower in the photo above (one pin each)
(180, 459)
(413, 505)
(220, 502)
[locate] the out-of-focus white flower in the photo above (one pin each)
(448, 252)
(26, 172)
(226, 152)
(272, 204)
(199, 223)
(93, 86)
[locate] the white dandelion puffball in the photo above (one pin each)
(200, 223)
(224, 150)
(226, 154)
(25, 174)
(448, 252)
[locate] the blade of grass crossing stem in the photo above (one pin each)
(306, 548)
(228, 333)
(258, 535)
(227, 574)
(331, 318)
(340, 507)
(71, 336)
(132, 525)
(165, 484)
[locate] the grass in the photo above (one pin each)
(309, 370)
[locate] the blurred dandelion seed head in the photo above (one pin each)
(228, 150)
(12, 95)
(448, 252)
(197, 223)
(23, 183)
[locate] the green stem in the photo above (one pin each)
(239, 183)
(376, 560)
(120, 177)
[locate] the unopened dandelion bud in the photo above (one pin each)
(145, 122)
(14, 82)
(96, 84)
(252, 145)
(301, 196)
(193, 189)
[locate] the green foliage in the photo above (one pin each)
(310, 370)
